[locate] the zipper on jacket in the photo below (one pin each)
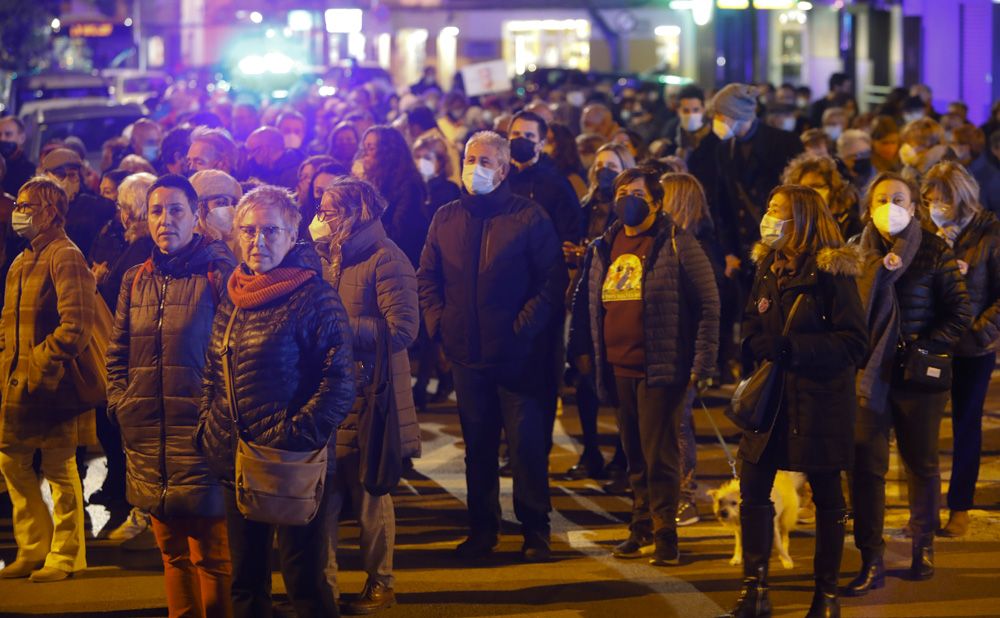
(163, 410)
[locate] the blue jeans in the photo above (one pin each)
(688, 446)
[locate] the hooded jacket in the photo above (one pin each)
(491, 278)
(377, 283)
(156, 362)
(293, 370)
(814, 429)
(680, 309)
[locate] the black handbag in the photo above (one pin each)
(378, 426)
(926, 368)
(756, 400)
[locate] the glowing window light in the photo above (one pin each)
(449, 31)
(256, 17)
(667, 30)
(737, 5)
(300, 21)
(343, 21)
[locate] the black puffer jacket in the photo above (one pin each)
(545, 185)
(814, 429)
(155, 369)
(491, 278)
(680, 309)
(978, 246)
(293, 367)
(933, 301)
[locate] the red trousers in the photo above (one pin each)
(196, 568)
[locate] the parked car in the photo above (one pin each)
(92, 120)
(27, 92)
(135, 86)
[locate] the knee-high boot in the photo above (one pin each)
(757, 531)
(830, 528)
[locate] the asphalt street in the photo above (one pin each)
(583, 579)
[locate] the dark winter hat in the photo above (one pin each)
(737, 101)
(61, 157)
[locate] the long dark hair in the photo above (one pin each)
(564, 150)
(394, 164)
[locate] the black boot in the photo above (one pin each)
(922, 567)
(871, 577)
(757, 532)
(830, 528)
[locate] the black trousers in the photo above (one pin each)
(757, 479)
(916, 417)
(588, 406)
(968, 394)
(649, 423)
(111, 443)
(302, 551)
(514, 398)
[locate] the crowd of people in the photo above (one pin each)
(230, 274)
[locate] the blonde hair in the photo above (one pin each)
(866, 200)
(684, 199)
(132, 194)
(269, 196)
(625, 158)
(51, 195)
(956, 186)
(924, 132)
(134, 164)
(361, 204)
(813, 227)
(843, 195)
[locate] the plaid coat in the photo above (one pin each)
(47, 322)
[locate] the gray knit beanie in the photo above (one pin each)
(736, 101)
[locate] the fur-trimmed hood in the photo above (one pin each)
(847, 260)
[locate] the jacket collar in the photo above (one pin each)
(488, 205)
(362, 241)
(44, 238)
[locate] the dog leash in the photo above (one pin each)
(718, 434)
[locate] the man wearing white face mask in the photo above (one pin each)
(746, 165)
(491, 279)
(218, 194)
(691, 128)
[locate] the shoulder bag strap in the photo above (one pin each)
(227, 373)
(791, 315)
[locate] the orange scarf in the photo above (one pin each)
(250, 291)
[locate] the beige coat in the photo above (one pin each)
(47, 364)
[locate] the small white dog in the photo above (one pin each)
(726, 506)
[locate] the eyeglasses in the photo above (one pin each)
(269, 232)
(25, 207)
(327, 216)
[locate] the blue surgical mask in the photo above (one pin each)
(150, 152)
(478, 180)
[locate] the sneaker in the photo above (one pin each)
(618, 486)
(135, 524)
(374, 598)
(687, 513)
(666, 552)
(631, 547)
(144, 541)
(588, 466)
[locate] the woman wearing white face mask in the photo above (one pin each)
(434, 164)
(218, 194)
(821, 175)
(376, 282)
(918, 309)
(952, 198)
(801, 261)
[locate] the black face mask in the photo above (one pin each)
(606, 179)
(7, 149)
(862, 168)
(522, 149)
(631, 210)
